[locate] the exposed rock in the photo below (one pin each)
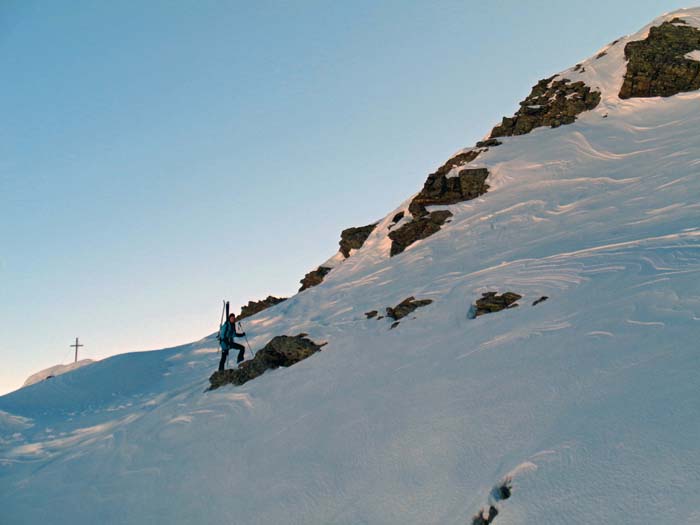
(394, 325)
(254, 307)
(601, 55)
(440, 189)
(396, 219)
(540, 300)
(460, 159)
(405, 307)
(354, 238)
(657, 66)
(416, 230)
(551, 103)
(371, 314)
(491, 302)
(282, 350)
(350, 239)
(488, 143)
(314, 277)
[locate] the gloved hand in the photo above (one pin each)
(242, 334)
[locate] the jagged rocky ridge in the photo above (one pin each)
(551, 103)
(282, 350)
(657, 66)
(254, 307)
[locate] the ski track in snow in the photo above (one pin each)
(586, 402)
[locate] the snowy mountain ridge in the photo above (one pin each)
(584, 405)
(56, 370)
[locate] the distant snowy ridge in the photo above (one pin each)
(56, 370)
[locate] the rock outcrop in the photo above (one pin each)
(550, 103)
(417, 229)
(488, 143)
(314, 277)
(657, 66)
(540, 300)
(254, 307)
(282, 350)
(405, 307)
(439, 189)
(354, 238)
(461, 159)
(396, 219)
(491, 302)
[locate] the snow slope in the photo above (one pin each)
(55, 370)
(588, 402)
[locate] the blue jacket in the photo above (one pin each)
(226, 335)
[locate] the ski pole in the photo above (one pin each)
(240, 327)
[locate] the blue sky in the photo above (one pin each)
(156, 157)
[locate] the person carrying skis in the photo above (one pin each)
(226, 335)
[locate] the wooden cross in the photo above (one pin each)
(76, 345)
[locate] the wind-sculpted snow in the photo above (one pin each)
(586, 403)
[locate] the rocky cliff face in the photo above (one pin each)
(658, 66)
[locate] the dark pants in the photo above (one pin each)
(224, 355)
